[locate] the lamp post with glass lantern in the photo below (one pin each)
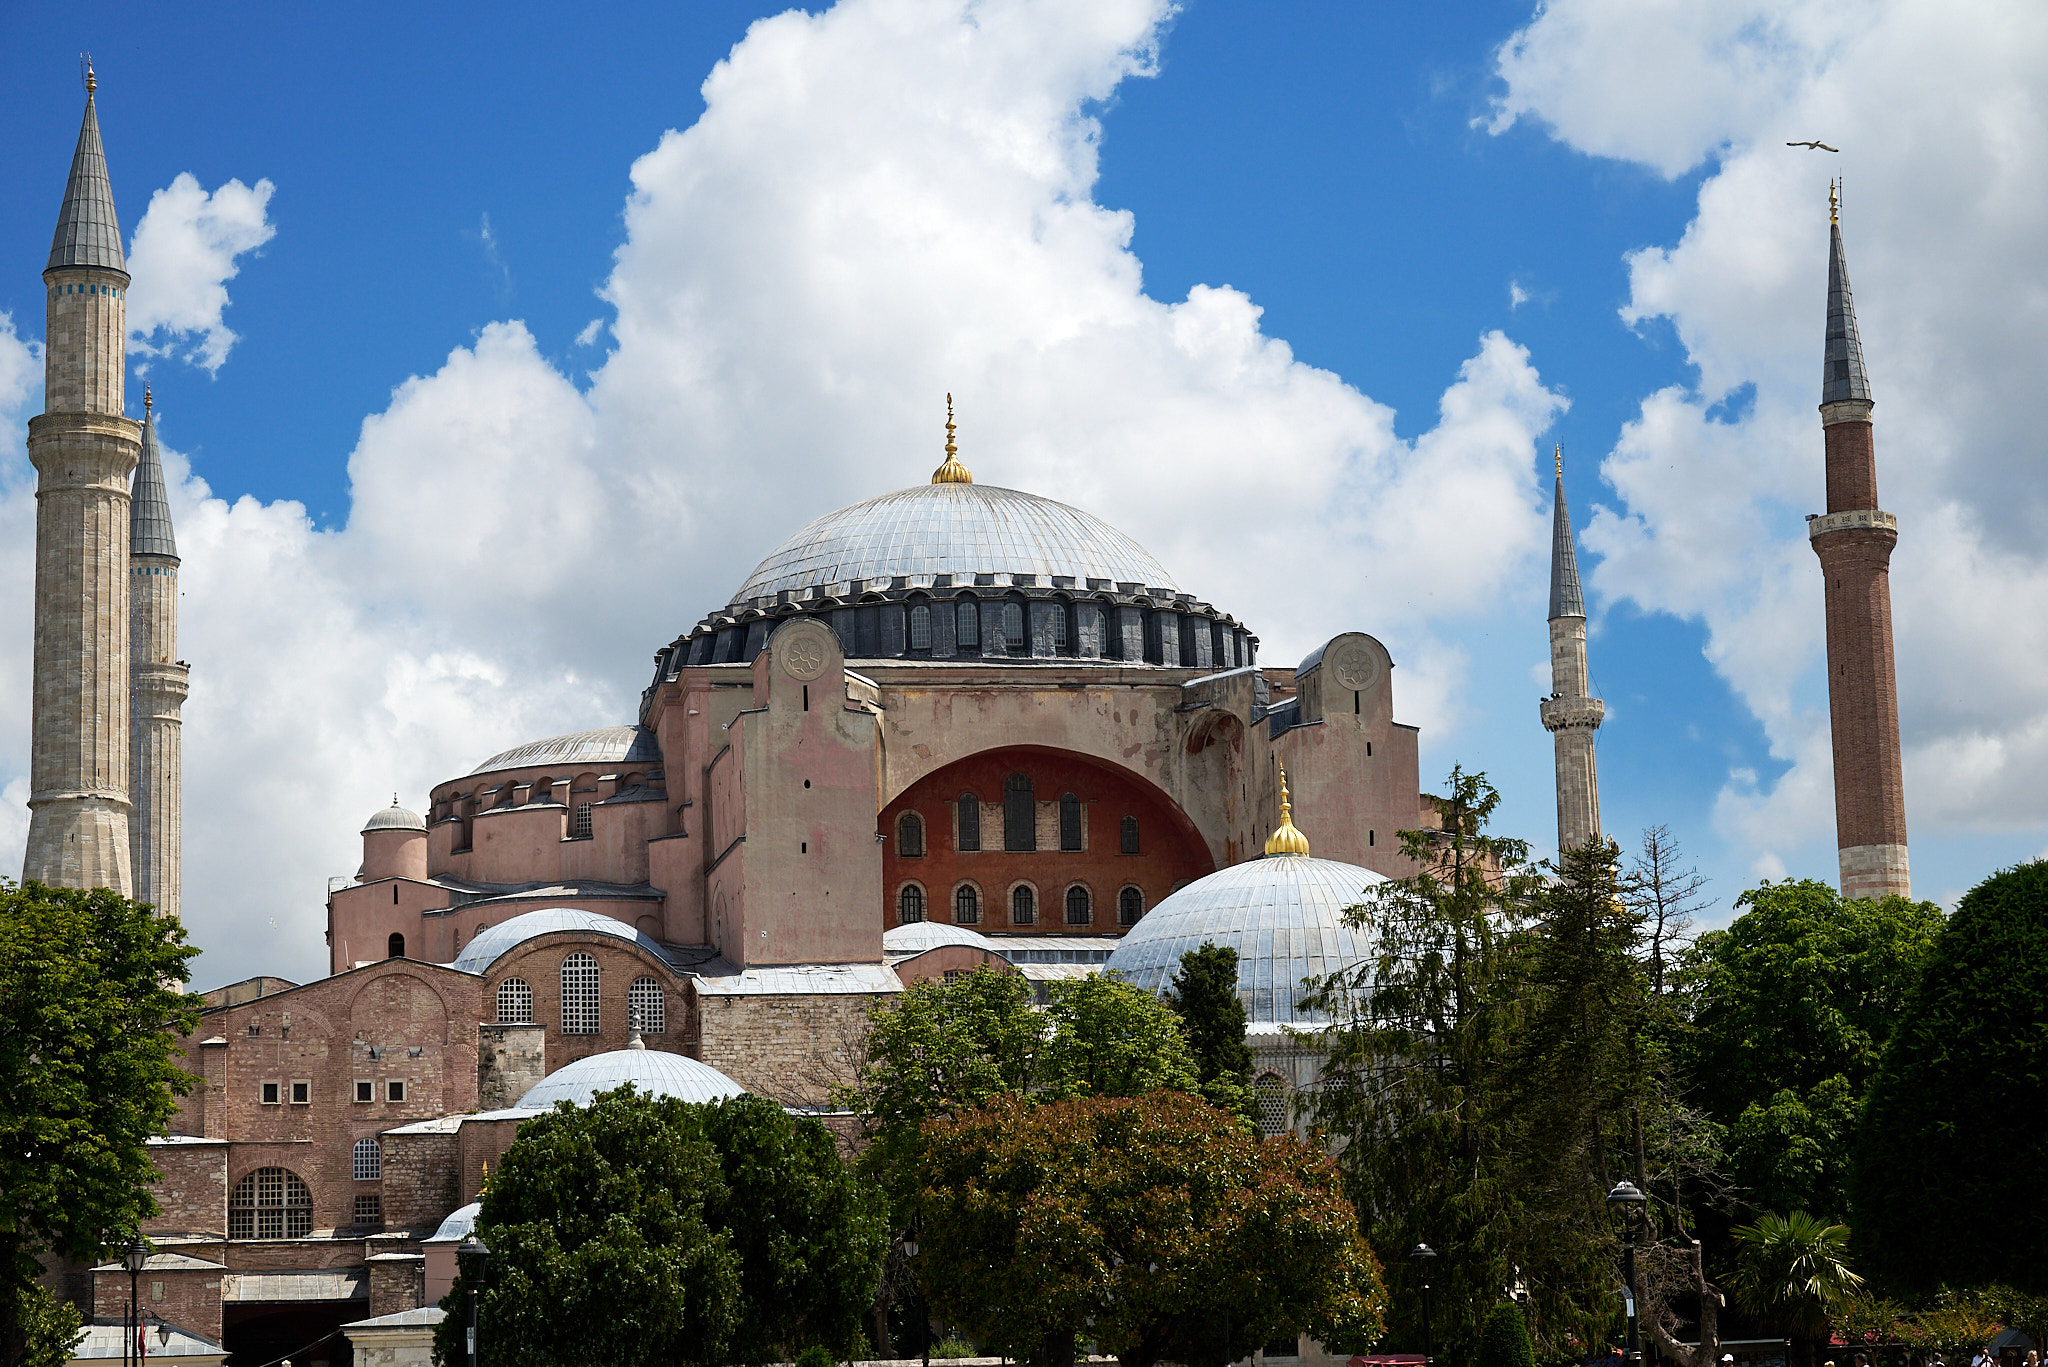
(133, 1258)
(1423, 1255)
(1631, 1202)
(474, 1255)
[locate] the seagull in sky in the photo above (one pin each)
(1818, 146)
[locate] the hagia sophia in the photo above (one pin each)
(948, 726)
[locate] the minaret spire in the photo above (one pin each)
(1854, 540)
(1570, 713)
(88, 230)
(160, 682)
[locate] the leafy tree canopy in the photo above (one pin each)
(1204, 995)
(89, 1002)
(1952, 1148)
(1505, 1340)
(1109, 1038)
(1159, 1220)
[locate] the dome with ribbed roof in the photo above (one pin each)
(395, 818)
(650, 1070)
(606, 745)
(483, 951)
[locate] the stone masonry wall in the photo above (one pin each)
(192, 1191)
(187, 1297)
(792, 1049)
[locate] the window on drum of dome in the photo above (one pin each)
(579, 994)
(966, 906)
(1059, 629)
(1020, 814)
(1023, 905)
(650, 1011)
(1079, 911)
(369, 1212)
(1013, 628)
(1130, 905)
(270, 1203)
(1128, 835)
(515, 1002)
(970, 823)
(910, 904)
(920, 627)
(1070, 822)
(910, 836)
(967, 623)
(1271, 1095)
(368, 1159)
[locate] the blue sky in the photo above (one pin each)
(1389, 184)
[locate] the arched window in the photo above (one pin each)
(967, 624)
(458, 935)
(579, 994)
(966, 905)
(1020, 814)
(1270, 1092)
(910, 836)
(920, 627)
(1070, 822)
(515, 1002)
(1023, 905)
(1059, 628)
(645, 1005)
(910, 904)
(1128, 835)
(394, 948)
(970, 823)
(1013, 627)
(1080, 910)
(270, 1203)
(369, 1160)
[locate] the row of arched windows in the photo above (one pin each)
(1078, 903)
(1020, 823)
(646, 1005)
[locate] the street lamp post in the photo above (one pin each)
(1631, 1201)
(133, 1258)
(1423, 1255)
(924, 1319)
(474, 1255)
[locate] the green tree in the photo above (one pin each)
(1204, 995)
(49, 1327)
(1791, 1271)
(1159, 1221)
(1505, 1340)
(1793, 1004)
(89, 1003)
(1109, 1038)
(1951, 1148)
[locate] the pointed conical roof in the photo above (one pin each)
(1842, 377)
(88, 233)
(149, 507)
(1566, 597)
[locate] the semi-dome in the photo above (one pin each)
(606, 745)
(458, 1224)
(1283, 914)
(395, 818)
(650, 1070)
(479, 954)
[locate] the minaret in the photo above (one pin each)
(1854, 541)
(1570, 713)
(155, 839)
(84, 450)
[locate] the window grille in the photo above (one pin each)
(580, 828)
(920, 628)
(954, 975)
(1023, 905)
(1059, 629)
(910, 904)
(970, 822)
(1070, 822)
(458, 935)
(369, 1212)
(369, 1160)
(579, 994)
(649, 1009)
(910, 836)
(967, 623)
(1020, 814)
(1079, 912)
(515, 1002)
(1130, 905)
(270, 1203)
(966, 906)
(1013, 628)
(1271, 1094)
(1128, 834)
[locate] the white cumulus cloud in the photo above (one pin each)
(181, 260)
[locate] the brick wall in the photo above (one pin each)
(187, 1297)
(420, 1181)
(510, 1060)
(397, 1282)
(792, 1049)
(191, 1189)
(619, 963)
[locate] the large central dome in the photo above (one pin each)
(957, 529)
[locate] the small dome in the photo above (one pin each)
(606, 745)
(1283, 915)
(650, 1070)
(920, 936)
(458, 1224)
(395, 818)
(486, 948)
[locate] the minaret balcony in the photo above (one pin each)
(1855, 519)
(1562, 714)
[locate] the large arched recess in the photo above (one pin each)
(1171, 851)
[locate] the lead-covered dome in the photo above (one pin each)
(1282, 914)
(650, 1070)
(956, 529)
(395, 818)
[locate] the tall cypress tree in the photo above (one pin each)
(1204, 995)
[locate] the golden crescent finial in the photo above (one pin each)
(92, 82)
(1560, 460)
(1834, 202)
(147, 399)
(951, 471)
(1285, 838)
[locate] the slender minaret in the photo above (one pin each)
(1570, 713)
(1854, 541)
(154, 836)
(84, 450)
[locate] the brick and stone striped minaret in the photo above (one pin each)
(1854, 541)
(1571, 714)
(155, 837)
(83, 449)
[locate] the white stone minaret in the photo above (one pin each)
(83, 449)
(1570, 713)
(154, 835)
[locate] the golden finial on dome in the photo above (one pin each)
(952, 471)
(1285, 838)
(484, 1187)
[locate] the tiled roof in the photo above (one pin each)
(88, 233)
(149, 507)
(1842, 377)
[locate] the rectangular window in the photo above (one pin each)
(302, 1093)
(970, 823)
(579, 829)
(369, 1212)
(366, 1090)
(394, 1090)
(270, 1093)
(1059, 629)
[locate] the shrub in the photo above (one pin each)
(1505, 1340)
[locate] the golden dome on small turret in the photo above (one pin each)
(1285, 838)
(951, 471)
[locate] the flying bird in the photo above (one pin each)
(1821, 146)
